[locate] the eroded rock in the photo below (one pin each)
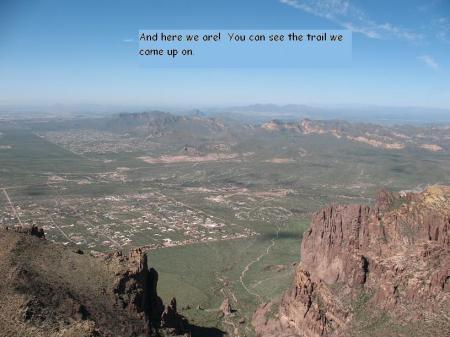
(395, 253)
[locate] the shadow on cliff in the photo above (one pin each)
(198, 331)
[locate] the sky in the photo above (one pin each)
(85, 52)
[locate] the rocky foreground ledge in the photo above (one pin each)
(54, 291)
(370, 271)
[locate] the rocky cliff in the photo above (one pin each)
(370, 271)
(51, 290)
(434, 139)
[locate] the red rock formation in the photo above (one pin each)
(225, 307)
(135, 289)
(396, 252)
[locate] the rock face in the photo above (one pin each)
(50, 290)
(135, 290)
(381, 270)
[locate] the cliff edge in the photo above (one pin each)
(51, 290)
(370, 271)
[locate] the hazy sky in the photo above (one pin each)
(85, 51)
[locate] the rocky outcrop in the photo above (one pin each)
(393, 257)
(51, 290)
(225, 307)
(38, 232)
(434, 139)
(171, 320)
(30, 230)
(135, 290)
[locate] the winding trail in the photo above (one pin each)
(247, 267)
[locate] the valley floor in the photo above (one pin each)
(214, 229)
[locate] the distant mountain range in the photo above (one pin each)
(362, 113)
(248, 113)
(198, 127)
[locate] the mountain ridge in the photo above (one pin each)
(370, 271)
(433, 138)
(52, 290)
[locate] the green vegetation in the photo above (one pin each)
(246, 215)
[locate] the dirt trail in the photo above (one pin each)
(257, 259)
